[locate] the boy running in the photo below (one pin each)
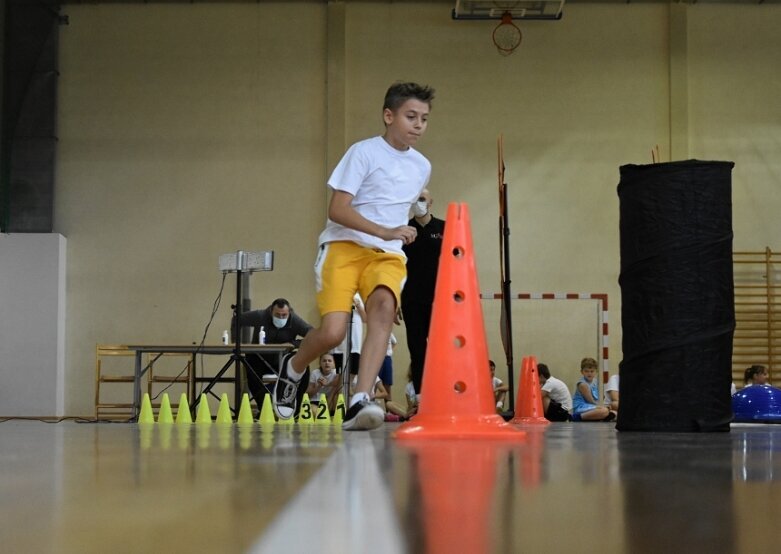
(360, 250)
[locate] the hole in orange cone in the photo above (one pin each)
(459, 341)
(458, 296)
(460, 386)
(458, 252)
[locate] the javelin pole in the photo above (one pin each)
(506, 322)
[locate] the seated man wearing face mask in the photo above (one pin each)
(280, 325)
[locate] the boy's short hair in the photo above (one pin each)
(399, 92)
(543, 370)
(589, 363)
(491, 364)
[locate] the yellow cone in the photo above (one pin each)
(145, 436)
(267, 435)
(203, 435)
(165, 435)
(305, 416)
(165, 415)
(203, 416)
(340, 409)
(183, 412)
(224, 436)
(245, 436)
(224, 416)
(146, 415)
(183, 437)
(322, 417)
(267, 412)
(245, 411)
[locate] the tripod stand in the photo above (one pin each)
(237, 358)
(239, 262)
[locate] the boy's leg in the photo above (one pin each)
(380, 311)
(286, 392)
(597, 414)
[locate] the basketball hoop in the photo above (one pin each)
(507, 36)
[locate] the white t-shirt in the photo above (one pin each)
(409, 392)
(331, 380)
(381, 402)
(384, 182)
(557, 390)
(497, 383)
(612, 384)
(391, 343)
(356, 331)
(354, 382)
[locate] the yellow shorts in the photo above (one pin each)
(343, 267)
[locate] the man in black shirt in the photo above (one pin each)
(280, 325)
(417, 298)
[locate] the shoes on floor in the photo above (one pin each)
(363, 416)
(285, 391)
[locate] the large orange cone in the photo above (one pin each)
(458, 399)
(458, 488)
(528, 406)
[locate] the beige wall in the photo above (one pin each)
(187, 131)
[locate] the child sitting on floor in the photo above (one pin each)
(584, 401)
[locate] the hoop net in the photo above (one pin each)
(507, 36)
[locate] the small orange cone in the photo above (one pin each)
(528, 406)
(458, 399)
(530, 457)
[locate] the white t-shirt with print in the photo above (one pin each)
(612, 384)
(557, 390)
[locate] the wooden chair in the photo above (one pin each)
(108, 375)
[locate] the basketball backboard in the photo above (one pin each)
(518, 9)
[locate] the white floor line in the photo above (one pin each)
(346, 507)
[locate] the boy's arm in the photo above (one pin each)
(379, 391)
(360, 309)
(586, 392)
(341, 211)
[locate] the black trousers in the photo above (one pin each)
(355, 361)
(417, 319)
(262, 364)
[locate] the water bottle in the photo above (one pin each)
(225, 337)
(262, 335)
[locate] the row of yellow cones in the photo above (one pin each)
(244, 436)
(309, 414)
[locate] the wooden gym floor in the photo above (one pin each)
(580, 487)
